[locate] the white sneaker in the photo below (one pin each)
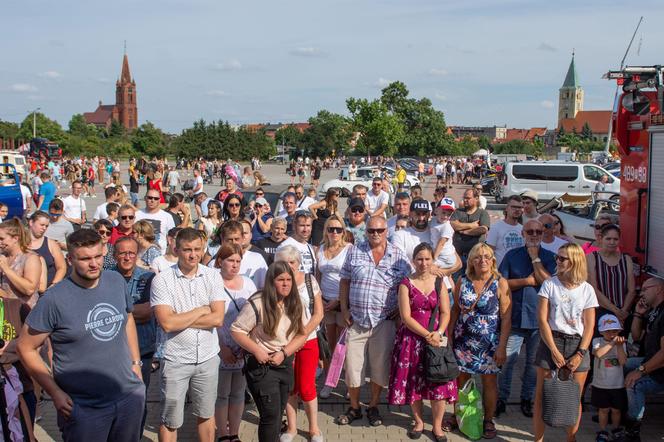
(325, 392)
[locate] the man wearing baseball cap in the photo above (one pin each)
(356, 221)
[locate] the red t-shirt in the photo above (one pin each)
(116, 234)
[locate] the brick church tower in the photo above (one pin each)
(125, 98)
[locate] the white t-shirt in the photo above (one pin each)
(304, 297)
(73, 207)
(608, 373)
(173, 178)
(566, 306)
(375, 201)
(101, 213)
(554, 245)
(407, 239)
(199, 180)
(160, 263)
(253, 266)
(440, 169)
(27, 197)
(482, 201)
(307, 254)
(504, 237)
(329, 272)
(447, 257)
(162, 223)
(304, 203)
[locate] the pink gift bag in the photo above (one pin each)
(337, 362)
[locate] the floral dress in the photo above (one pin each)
(477, 332)
(407, 381)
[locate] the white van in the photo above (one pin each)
(553, 178)
(15, 158)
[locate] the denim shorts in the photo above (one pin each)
(567, 345)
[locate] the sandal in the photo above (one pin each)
(350, 415)
(489, 430)
(374, 417)
(450, 424)
(234, 438)
(439, 438)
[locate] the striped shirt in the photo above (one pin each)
(172, 288)
(612, 280)
(373, 287)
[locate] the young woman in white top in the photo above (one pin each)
(213, 220)
(331, 256)
(231, 386)
(306, 358)
(566, 316)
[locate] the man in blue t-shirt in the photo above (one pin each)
(525, 269)
(96, 383)
(47, 192)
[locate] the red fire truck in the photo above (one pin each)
(639, 128)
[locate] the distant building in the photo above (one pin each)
(124, 110)
(530, 135)
(598, 120)
(491, 132)
(570, 95)
(270, 129)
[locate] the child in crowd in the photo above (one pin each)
(401, 223)
(608, 386)
(441, 234)
(112, 212)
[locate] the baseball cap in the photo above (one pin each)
(447, 204)
(420, 204)
(356, 202)
(530, 194)
(609, 322)
(262, 201)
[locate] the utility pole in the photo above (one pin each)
(34, 122)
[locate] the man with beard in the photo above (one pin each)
(97, 388)
(525, 269)
(300, 240)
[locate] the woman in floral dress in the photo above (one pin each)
(408, 385)
(482, 320)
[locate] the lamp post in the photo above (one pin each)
(34, 122)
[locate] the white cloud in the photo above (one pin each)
(382, 82)
(439, 96)
(307, 51)
(216, 93)
(50, 74)
(546, 47)
(229, 65)
(547, 104)
(23, 87)
(437, 72)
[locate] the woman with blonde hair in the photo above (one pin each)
(331, 256)
(270, 327)
(481, 320)
(148, 249)
(566, 316)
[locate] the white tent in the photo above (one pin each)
(481, 153)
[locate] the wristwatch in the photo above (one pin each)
(536, 260)
(139, 363)
(642, 369)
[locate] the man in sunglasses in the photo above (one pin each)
(59, 228)
(356, 221)
(377, 199)
(525, 269)
(160, 219)
(126, 218)
(549, 240)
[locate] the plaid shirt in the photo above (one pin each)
(373, 287)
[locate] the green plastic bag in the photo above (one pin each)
(469, 411)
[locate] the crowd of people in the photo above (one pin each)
(231, 296)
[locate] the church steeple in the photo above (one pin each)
(125, 77)
(570, 95)
(125, 96)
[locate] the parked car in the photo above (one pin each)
(364, 176)
(10, 190)
(551, 179)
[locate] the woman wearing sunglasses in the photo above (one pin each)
(105, 229)
(331, 256)
(233, 208)
(601, 221)
(566, 316)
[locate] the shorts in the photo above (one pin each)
(369, 353)
(609, 398)
(304, 373)
(334, 318)
(230, 388)
(567, 345)
(200, 380)
(91, 183)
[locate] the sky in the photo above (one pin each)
(481, 62)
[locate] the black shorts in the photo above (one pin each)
(567, 345)
(609, 398)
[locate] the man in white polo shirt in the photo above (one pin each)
(74, 206)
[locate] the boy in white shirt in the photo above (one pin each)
(608, 386)
(441, 235)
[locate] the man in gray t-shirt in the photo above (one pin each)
(470, 224)
(96, 383)
(58, 228)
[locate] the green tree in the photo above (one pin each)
(148, 140)
(116, 130)
(328, 132)
(289, 135)
(78, 126)
(516, 147)
(46, 128)
(586, 132)
(8, 131)
(380, 131)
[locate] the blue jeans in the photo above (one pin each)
(519, 336)
(636, 396)
(134, 198)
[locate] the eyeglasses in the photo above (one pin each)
(599, 226)
(105, 232)
(379, 231)
(377, 184)
(153, 198)
(233, 205)
(335, 230)
(54, 215)
(561, 258)
(126, 217)
(534, 232)
(547, 225)
(127, 254)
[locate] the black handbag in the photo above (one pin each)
(440, 365)
(323, 346)
(560, 401)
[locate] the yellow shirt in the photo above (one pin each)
(401, 176)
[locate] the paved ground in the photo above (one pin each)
(512, 426)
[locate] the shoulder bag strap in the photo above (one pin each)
(232, 298)
(253, 306)
(479, 295)
(310, 291)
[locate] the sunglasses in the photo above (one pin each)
(54, 215)
(376, 231)
(233, 205)
(599, 226)
(561, 258)
(153, 198)
(357, 210)
(534, 232)
(547, 225)
(335, 230)
(126, 217)
(259, 194)
(104, 232)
